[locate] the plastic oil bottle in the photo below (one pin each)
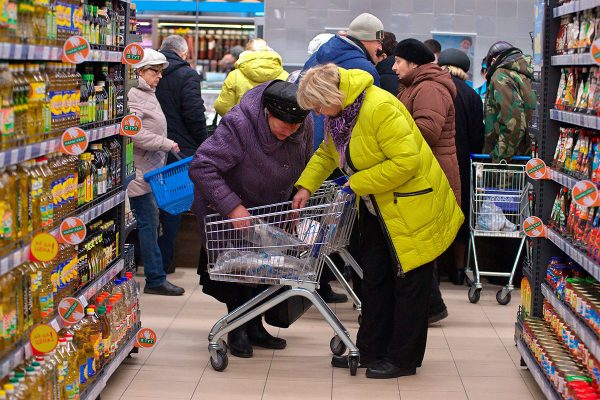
(23, 196)
(7, 112)
(106, 336)
(71, 390)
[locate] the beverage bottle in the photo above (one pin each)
(18, 381)
(18, 102)
(26, 307)
(110, 317)
(94, 337)
(77, 81)
(3, 395)
(46, 292)
(7, 111)
(32, 382)
(72, 383)
(106, 336)
(9, 388)
(49, 373)
(84, 351)
(10, 315)
(5, 216)
(62, 362)
(39, 378)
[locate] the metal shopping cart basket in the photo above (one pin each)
(284, 248)
(339, 243)
(172, 187)
(499, 205)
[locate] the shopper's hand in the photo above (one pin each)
(300, 198)
(175, 149)
(240, 212)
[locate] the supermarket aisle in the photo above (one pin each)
(470, 355)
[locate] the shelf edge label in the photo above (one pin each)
(145, 338)
(43, 339)
(72, 230)
(585, 194)
(536, 169)
(44, 247)
(76, 50)
(534, 227)
(131, 125)
(74, 141)
(132, 54)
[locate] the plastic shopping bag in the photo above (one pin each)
(491, 218)
(259, 264)
(266, 235)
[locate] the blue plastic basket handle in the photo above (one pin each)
(488, 157)
(347, 190)
(178, 155)
(341, 181)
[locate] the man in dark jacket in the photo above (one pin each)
(389, 79)
(181, 101)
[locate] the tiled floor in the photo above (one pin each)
(470, 355)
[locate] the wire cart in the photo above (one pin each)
(284, 248)
(499, 205)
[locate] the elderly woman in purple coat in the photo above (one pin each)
(255, 156)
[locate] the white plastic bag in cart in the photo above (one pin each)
(260, 264)
(263, 234)
(491, 218)
(308, 230)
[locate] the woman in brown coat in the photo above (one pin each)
(428, 95)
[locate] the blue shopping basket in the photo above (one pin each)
(172, 187)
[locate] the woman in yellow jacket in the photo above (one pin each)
(408, 214)
(252, 69)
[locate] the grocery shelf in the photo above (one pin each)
(572, 59)
(13, 51)
(108, 275)
(545, 385)
(575, 6)
(577, 255)
(584, 120)
(27, 152)
(19, 256)
(586, 335)
(563, 179)
(14, 358)
(93, 391)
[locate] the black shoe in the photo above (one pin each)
(342, 362)
(260, 337)
(437, 317)
(169, 270)
(332, 297)
(165, 289)
(458, 277)
(239, 343)
(384, 369)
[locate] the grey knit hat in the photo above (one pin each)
(366, 27)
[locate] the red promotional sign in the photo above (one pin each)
(534, 227)
(145, 337)
(72, 230)
(537, 169)
(585, 194)
(70, 310)
(74, 141)
(131, 125)
(133, 54)
(76, 50)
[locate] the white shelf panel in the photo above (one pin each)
(572, 59)
(563, 179)
(586, 121)
(575, 6)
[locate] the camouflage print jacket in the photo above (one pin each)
(509, 104)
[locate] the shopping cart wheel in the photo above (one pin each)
(337, 346)
(503, 297)
(474, 294)
(353, 364)
(219, 363)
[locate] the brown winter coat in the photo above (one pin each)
(428, 96)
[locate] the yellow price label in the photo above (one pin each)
(43, 339)
(44, 247)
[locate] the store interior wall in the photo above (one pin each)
(291, 24)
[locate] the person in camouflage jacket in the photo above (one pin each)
(509, 103)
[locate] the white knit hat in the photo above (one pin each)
(318, 41)
(366, 27)
(152, 57)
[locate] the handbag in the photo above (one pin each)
(210, 129)
(287, 312)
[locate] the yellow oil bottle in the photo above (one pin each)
(7, 111)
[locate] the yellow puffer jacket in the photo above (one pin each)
(396, 167)
(252, 69)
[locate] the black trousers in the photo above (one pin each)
(395, 309)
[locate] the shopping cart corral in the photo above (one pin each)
(499, 205)
(284, 248)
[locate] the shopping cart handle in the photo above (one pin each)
(341, 181)
(347, 190)
(488, 157)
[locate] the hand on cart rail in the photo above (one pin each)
(300, 198)
(240, 212)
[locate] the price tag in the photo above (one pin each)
(537, 169)
(146, 338)
(31, 52)
(74, 141)
(133, 54)
(44, 247)
(43, 339)
(72, 230)
(534, 227)
(76, 50)
(46, 53)
(18, 51)
(585, 194)
(70, 310)
(131, 125)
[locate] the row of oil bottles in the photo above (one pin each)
(47, 22)
(39, 101)
(31, 293)
(84, 349)
(40, 193)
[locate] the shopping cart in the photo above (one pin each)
(499, 205)
(339, 243)
(284, 248)
(172, 187)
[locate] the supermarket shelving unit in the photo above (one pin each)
(113, 201)
(547, 134)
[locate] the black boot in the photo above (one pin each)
(458, 277)
(330, 296)
(385, 369)
(239, 343)
(260, 337)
